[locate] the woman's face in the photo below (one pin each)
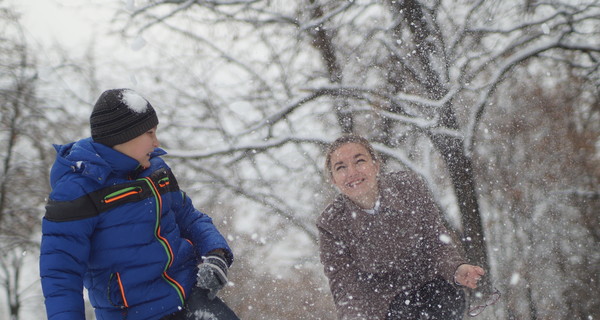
(354, 172)
(139, 148)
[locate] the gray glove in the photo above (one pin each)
(212, 274)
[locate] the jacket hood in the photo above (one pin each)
(93, 160)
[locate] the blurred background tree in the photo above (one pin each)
(494, 103)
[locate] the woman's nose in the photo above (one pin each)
(351, 169)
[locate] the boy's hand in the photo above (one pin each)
(212, 274)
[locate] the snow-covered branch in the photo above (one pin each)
(256, 147)
(278, 208)
(494, 81)
(321, 20)
(183, 5)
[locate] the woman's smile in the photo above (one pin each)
(355, 183)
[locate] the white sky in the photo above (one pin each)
(75, 26)
(67, 22)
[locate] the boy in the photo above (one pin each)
(117, 223)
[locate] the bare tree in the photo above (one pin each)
(22, 154)
(35, 112)
(268, 83)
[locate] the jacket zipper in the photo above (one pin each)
(117, 277)
(178, 288)
(122, 290)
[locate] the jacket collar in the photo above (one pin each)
(382, 200)
(93, 160)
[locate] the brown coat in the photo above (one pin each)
(370, 258)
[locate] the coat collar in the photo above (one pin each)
(93, 160)
(383, 182)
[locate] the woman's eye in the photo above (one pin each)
(361, 160)
(338, 168)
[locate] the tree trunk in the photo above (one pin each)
(460, 168)
(323, 42)
(451, 148)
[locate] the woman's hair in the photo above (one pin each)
(350, 138)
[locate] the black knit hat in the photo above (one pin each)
(120, 115)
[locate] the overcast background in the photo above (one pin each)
(496, 105)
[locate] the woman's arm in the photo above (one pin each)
(343, 276)
(441, 248)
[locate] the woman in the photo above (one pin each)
(384, 249)
(117, 224)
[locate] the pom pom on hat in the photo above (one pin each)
(120, 115)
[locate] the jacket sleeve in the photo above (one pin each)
(199, 228)
(343, 276)
(64, 253)
(441, 246)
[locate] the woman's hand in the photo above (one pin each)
(468, 275)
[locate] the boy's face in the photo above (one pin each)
(139, 148)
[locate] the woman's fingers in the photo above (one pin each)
(468, 275)
(479, 270)
(474, 274)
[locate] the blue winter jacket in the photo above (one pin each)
(129, 235)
